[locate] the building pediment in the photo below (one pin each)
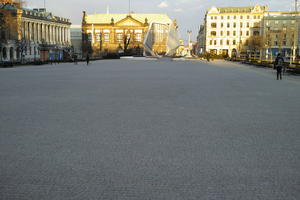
(129, 21)
(213, 10)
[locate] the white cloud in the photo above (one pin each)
(163, 4)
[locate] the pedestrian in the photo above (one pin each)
(75, 59)
(278, 65)
(208, 57)
(87, 59)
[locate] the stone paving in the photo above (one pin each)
(138, 129)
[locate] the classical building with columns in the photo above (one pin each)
(32, 35)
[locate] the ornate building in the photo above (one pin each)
(229, 30)
(126, 33)
(32, 35)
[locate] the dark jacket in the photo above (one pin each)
(279, 62)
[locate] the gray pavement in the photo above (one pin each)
(135, 130)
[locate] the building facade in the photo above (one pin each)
(281, 34)
(32, 35)
(124, 33)
(230, 30)
(250, 32)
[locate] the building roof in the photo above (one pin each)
(236, 9)
(247, 9)
(106, 18)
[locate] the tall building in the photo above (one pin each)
(32, 34)
(230, 30)
(128, 33)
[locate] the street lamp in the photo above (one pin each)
(189, 32)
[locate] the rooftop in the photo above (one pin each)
(106, 18)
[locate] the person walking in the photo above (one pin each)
(87, 59)
(278, 65)
(75, 59)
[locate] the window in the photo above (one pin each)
(234, 25)
(241, 33)
(248, 24)
(284, 43)
(216, 17)
(98, 37)
(254, 16)
(234, 33)
(106, 37)
(213, 25)
(222, 17)
(221, 42)
(248, 17)
(256, 33)
(228, 42)
(119, 37)
(234, 17)
(228, 25)
(241, 17)
(228, 33)
(221, 33)
(247, 42)
(258, 17)
(210, 42)
(234, 42)
(215, 42)
(275, 43)
(212, 17)
(247, 33)
(241, 24)
(228, 17)
(138, 37)
(213, 33)
(222, 25)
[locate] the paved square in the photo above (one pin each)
(133, 130)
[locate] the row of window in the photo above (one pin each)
(235, 17)
(234, 33)
(119, 37)
(234, 42)
(227, 42)
(234, 25)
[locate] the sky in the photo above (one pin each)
(188, 13)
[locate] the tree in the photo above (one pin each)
(126, 41)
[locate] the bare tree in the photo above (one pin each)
(126, 40)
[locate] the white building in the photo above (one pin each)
(229, 30)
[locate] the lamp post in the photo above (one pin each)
(189, 32)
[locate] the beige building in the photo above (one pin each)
(124, 33)
(32, 35)
(229, 30)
